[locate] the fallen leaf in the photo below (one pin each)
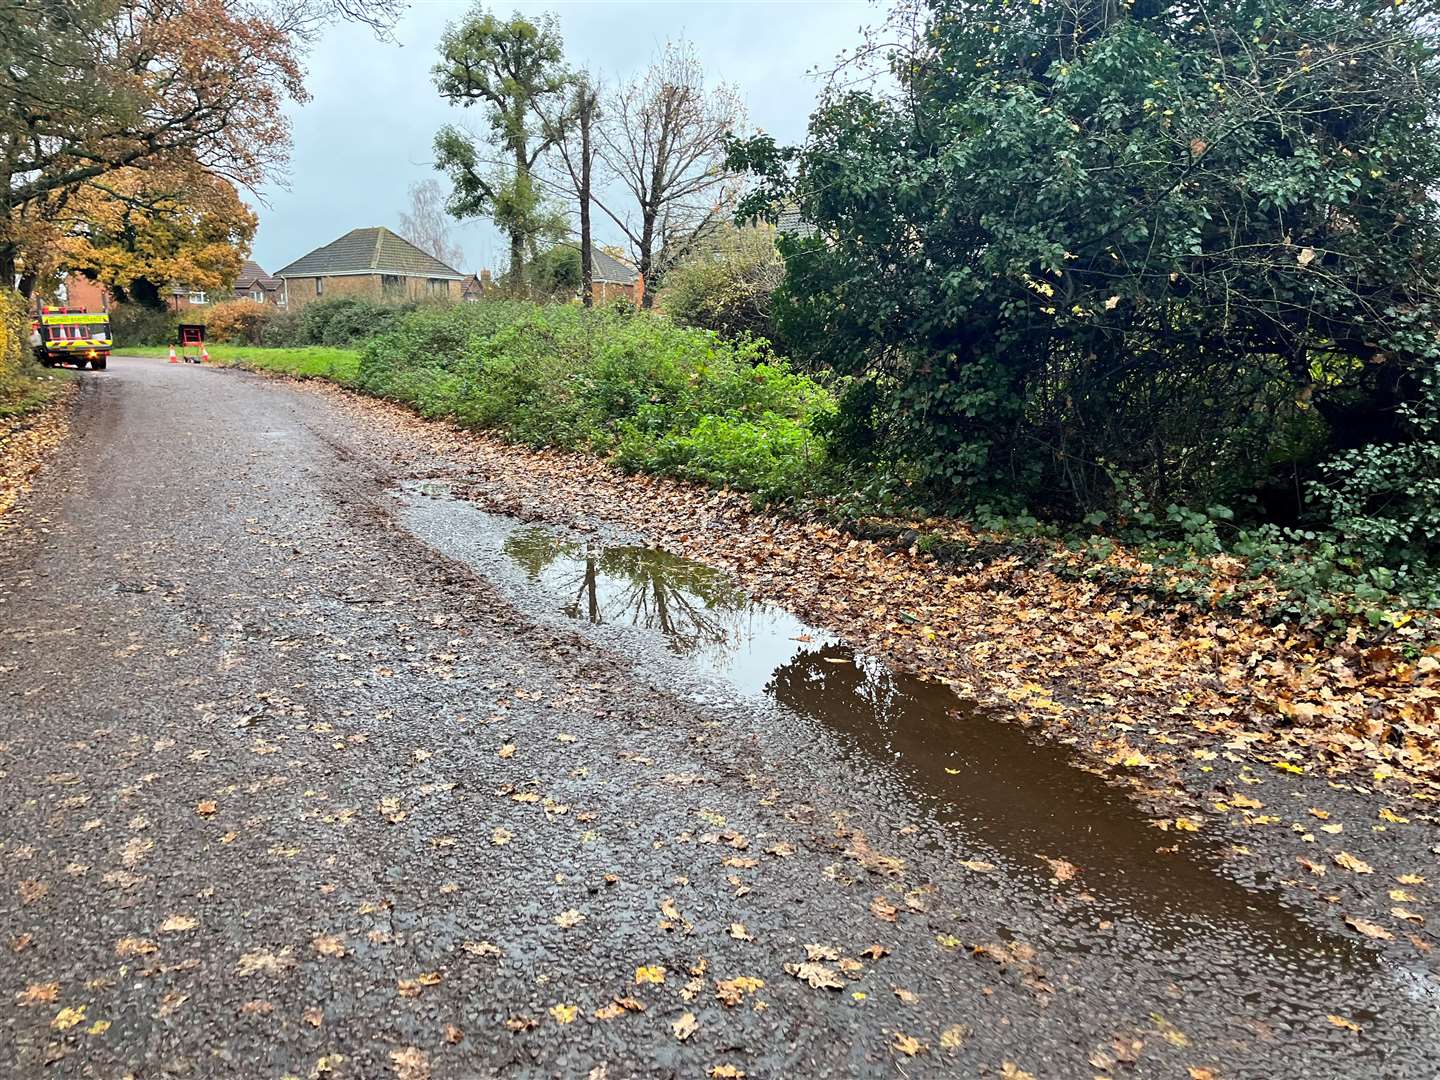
(978, 866)
(818, 976)
(38, 994)
(482, 948)
(652, 974)
(907, 997)
(565, 1013)
(568, 919)
(501, 836)
(883, 909)
(410, 1064)
(1351, 863)
(739, 933)
(907, 1044)
(954, 1036)
(207, 807)
(506, 751)
(328, 945)
(134, 946)
(1341, 1022)
(1369, 929)
(685, 1026)
(726, 1072)
(732, 991)
(178, 924)
(68, 1017)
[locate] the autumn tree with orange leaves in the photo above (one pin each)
(98, 91)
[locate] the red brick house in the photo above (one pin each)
(374, 263)
(612, 279)
(81, 292)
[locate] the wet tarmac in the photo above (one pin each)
(308, 769)
(1025, 809)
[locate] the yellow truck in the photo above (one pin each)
(71, 336)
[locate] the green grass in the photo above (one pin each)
(309, 362)
(32, 390)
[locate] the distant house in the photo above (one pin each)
(374, 263)
(81, 292)
(179, 296)
(475, 287)
(613, 279)
(253, 283)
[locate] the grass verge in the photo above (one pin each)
(309, 362)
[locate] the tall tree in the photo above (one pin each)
(514, 70)
(427, 225)
(572, 133)
(1100, 256)
(664, 138)
(91, 87)
(97, 86)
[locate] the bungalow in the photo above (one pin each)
(374, 263)
(611, 279)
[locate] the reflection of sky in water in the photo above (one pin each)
(701, 613)
(1008, 799)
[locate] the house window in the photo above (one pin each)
(197, 298)
(392, 284)
(257, 296)
(440, 286)
(319, 286)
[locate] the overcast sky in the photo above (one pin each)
(365, 135)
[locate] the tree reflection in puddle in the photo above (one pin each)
(695, 607)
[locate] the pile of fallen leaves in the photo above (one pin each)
(25, 440)
(1136, 682)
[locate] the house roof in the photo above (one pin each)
(791, 223)
(369, 251)
(611, 270)
(251, 275)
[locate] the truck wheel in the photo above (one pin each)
(99, 363)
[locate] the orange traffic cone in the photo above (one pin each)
(173, 358)
(204, 354)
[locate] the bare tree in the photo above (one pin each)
(427, 224)
(572, 137)
(663, 137)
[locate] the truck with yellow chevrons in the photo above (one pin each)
(71, 336)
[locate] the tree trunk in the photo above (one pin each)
(517, 233)
(587, 253)
(647, 246)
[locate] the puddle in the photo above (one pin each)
(698, 612)
(996, 794)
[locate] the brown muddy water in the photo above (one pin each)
(993, 792)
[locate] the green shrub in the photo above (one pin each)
(134, 324)
(659, 397)
(727, 285)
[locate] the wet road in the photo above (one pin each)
(311, 770)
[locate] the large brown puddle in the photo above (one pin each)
(997, 794)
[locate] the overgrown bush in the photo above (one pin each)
(345, 320)
(727, 286)
(14, 341)
(658, 397)
(239, 322)
(135, 324)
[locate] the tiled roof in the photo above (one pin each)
(792, 224)
(251, 274)
(369, 251)
(611, 270)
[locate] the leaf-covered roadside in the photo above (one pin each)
(1112, 668)
(27, 435)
